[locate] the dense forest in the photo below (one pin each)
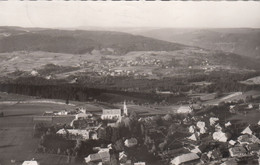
(127, 88)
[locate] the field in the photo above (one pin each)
(252, 81)
(16, 129)
(235, 96)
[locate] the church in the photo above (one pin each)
(114, 113)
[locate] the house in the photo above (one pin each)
(192, 129)
(130, 142)
(213, 120)
(202, 126)
(216, 154)
(122, 157)
(250, 106)
(64, 112)
(82, 124)
(230, 162)
(194, 136)
(218, 128)
(82, 110)
(184, 109)
(77, 133)
(83, 116)
(237, 151)
(247, 130)
(220, 136)
(111, 114)
(128, 162)
(184, 158)
(31, 162)
(98, 157)
(48, 113)
(227, 124)
(253, 148)
(196, 150)
(93, 158)
(247, 139)
(139, 163)
(232, 142)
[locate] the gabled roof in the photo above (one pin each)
(131, 142)
(247, 130)
(95, 157)
(220, 136)
(184, 158)
(100, 156)
(237, 151)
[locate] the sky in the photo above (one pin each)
(172, 14)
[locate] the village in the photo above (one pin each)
(189, 135)
(146, 65)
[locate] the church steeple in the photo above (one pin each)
(125, 109)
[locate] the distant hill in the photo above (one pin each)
(242, 41)
(78, 42)
(61, 54)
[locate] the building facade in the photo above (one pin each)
(111, 114)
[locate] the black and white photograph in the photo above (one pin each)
(129, 82)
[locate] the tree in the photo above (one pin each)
(67, 101)
(119, 145)
(115, 134)
(133, 116)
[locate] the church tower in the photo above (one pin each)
(125, 109)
